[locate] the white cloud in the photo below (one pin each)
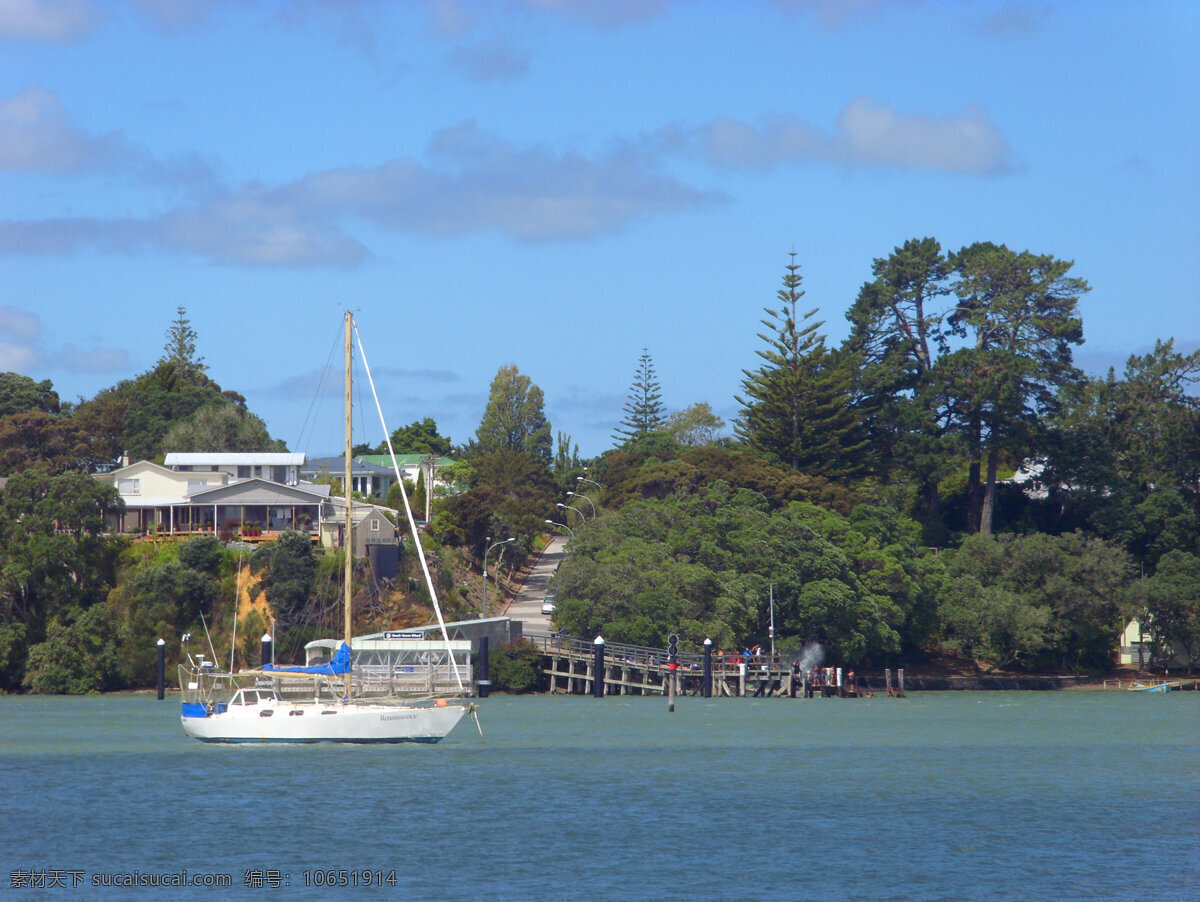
(24, 353)
(872, 134)
(866, 134)
(97, 360)
(19, 324)
(604, 13)
(17, 358)
(477, 183)
(1018, 20)
(36, 135)
(490, 62)
(835, 13)
(47, 20)
(176, 15)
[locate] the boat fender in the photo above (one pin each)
(441, 703)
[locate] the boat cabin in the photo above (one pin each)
(254, 697)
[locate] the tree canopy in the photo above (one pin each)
(514, 418)
(796, 407)
(644, 409)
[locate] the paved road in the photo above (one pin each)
(527, 606)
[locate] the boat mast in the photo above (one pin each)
(347, 542)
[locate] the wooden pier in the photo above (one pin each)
(569, 665)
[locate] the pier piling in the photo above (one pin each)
(598, 668)
(162, 668)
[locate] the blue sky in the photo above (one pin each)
(560, 183)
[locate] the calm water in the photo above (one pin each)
(964, 795)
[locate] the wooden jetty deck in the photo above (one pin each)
(569, 665)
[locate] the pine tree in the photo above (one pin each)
(1019, 314)
(180, 350)
(644, 410)
(796, 406)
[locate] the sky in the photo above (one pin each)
(560, 184)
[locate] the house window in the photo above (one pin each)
(129, 486)
(374, 526)
(243, 472)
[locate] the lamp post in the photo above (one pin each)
(772, 622)
(568, 507)
(485, 557)
(592, 481)
(585, 498)
(564, 526)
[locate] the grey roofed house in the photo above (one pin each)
(372, 528)
(267, 505)
(170, 501)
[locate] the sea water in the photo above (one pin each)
(954, 795)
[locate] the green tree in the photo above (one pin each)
(220, 426)
(896, 335)
(202, 554)
(695, 425)
(179, 353)
(19, 394)
(516, 667)
(644, 410)
(288, 569)
(514, 418)
(566, 458)
(54, 443)
(512, 493)
(76, 659)
(1171, 600)
(701, 566)
(134, 415)
(158, 601)
(796, 407)
(1017, 313)
(1056, 601)
(418, 437)
(54, 561)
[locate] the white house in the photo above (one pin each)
(1137, 647)
(282, 467)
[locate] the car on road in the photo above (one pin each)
(548, 603)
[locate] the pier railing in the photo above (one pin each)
(641, 669)
(648, 656)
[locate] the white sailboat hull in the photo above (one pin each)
(326, 722)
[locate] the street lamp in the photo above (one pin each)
(568, 507)
(564, 526)
(485, 556)
(592, 481)
(585, 498)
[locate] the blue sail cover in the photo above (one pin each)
(336, 667)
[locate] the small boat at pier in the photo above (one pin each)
(1153, 687)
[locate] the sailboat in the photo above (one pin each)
(316, 703)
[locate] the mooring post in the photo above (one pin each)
(900, 682)
(672, 664)
(742, 679)
(887, 675)
(267, 657)
(598, 667)
(162, 668)
(485, 676)
(706, 683)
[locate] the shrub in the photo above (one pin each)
(517, 667)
